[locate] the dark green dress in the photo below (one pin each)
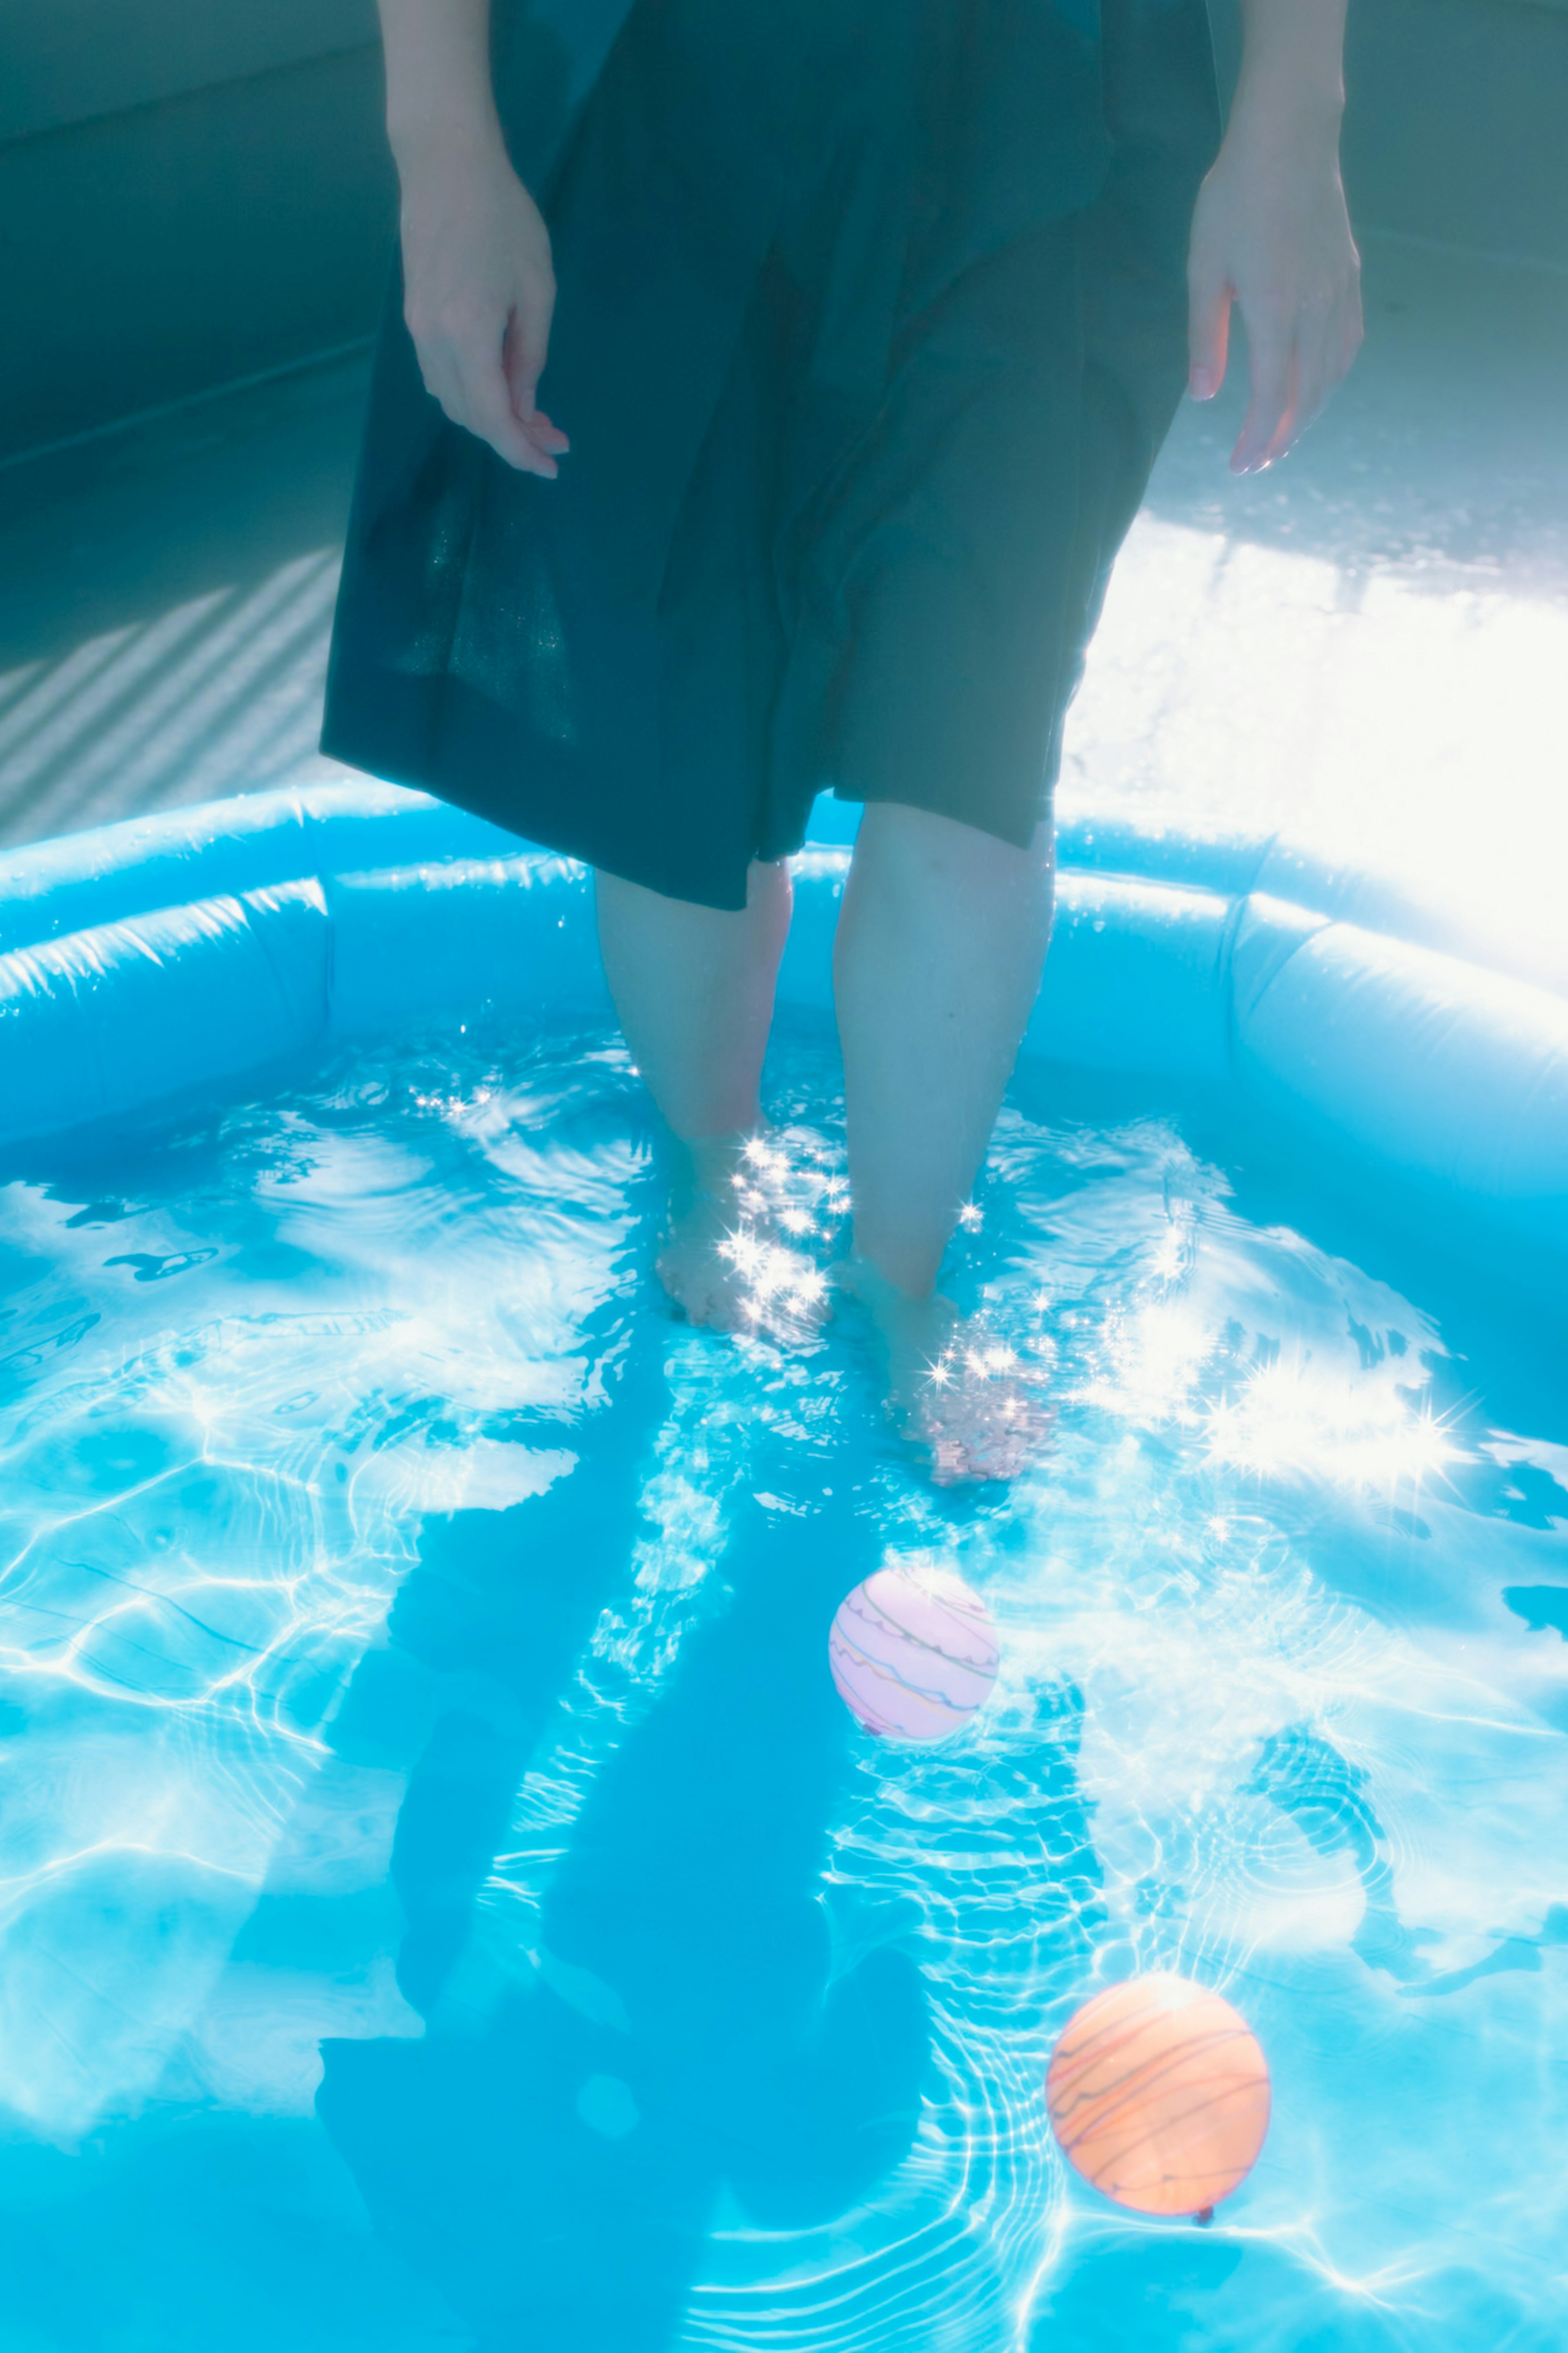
(870, 321)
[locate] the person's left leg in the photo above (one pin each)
(694, 990)
(956, 571)
(937, 964)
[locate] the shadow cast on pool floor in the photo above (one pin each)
(555, 2165)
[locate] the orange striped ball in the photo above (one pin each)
(1157, 2093)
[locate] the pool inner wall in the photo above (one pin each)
(194, 949)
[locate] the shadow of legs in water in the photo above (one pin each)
(557, 2170)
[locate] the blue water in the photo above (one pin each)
(445, 1903)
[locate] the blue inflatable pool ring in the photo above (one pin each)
(193, 948)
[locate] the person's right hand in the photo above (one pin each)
(479, 292)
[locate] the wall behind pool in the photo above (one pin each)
(202, 190)
(195, 947)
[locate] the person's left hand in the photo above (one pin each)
(1271, 235)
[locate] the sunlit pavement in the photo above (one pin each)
(1365, 649)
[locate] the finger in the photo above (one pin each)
(441, 365)
(487, 400)
(1208, 332)
(1294, 420)
(1351, 331)
(1291, 422)
(523, 353)
(1326, 344)
(1272, 346)
(1313, 372)
(550, 443)
(545, 435)
(524, 349)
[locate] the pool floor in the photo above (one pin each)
(445, 1903)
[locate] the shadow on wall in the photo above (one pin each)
(170, 709)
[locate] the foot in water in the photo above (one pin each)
(726, 1259)
(952, 1389)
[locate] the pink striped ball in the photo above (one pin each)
(913, 1653)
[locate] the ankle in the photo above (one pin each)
(897, 1280)
(705, 1169)
(899, 1315)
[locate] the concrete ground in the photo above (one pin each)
(1367, 648)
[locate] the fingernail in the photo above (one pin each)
(1201, 384)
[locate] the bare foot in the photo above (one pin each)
(724, 1260)
(952, 1387)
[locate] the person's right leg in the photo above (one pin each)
(694, 990)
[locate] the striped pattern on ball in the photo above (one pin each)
(1157, 2093)
(913, 1653)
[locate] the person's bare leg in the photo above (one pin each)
(937, 964)
(694, 990)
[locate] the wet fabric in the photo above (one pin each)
(869, 323)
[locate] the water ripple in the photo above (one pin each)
(1263, 1715)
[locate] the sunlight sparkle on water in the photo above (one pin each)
(1298, 1419)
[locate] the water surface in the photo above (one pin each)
(444, 1902)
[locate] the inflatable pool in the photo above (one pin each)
(446, 1903)
(183, 951)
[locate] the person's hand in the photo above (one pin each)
(1271, 235)
(479, 292)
